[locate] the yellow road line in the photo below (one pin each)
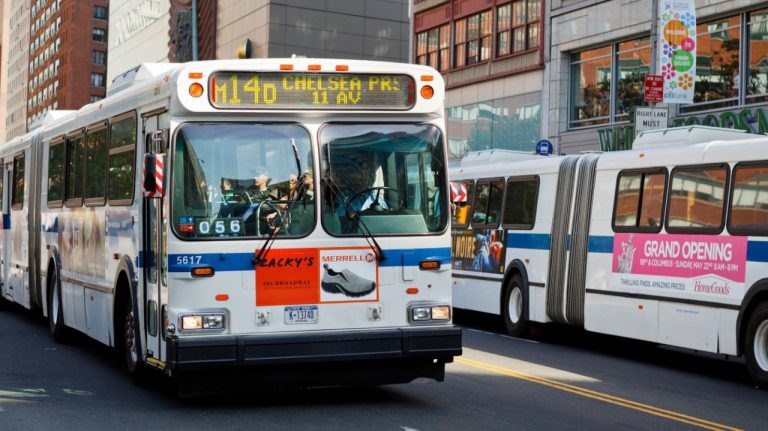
(645, 408)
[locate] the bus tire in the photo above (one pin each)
(132, 361)
(756, 349)
(55, 308)
(514, 307)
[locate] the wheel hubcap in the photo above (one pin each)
(515, 305)
(130, 334)
(761, 345)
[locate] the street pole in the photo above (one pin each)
(194, 30)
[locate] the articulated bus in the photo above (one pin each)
(666, 243)
(264, 216)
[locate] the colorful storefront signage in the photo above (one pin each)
(677, 49)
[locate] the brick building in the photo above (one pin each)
(67, 55)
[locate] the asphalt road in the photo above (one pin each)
(559, 379)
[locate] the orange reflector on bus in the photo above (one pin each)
(342, 68)
(429, 264)
(427, 77)
(196, 89)
(203, 271)
(313, 67)
(412, 290)
(286, 67)
(222, 297)
(195, 75)
(427, 91)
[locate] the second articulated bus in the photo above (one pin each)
(666, 243)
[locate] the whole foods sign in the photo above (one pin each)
(677, 49)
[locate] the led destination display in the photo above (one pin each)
(308, 90)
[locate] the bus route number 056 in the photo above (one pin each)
(219, 227)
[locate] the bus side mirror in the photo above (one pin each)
(154, 173)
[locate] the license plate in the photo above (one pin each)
(301, 314)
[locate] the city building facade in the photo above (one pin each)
(15, 57)
(159, 31)
(492, 56)
(601, 51)
(67, 49)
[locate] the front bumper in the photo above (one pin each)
(437, 345)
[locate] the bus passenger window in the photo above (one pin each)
(639, 201)
(520, 203)
(749, 201)
(696, 199)
(487, 205)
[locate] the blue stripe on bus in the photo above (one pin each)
(536, 241)
(244, 261)
(757, 251)
(600, 244)
(6, 221)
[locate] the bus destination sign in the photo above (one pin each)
(308, 90)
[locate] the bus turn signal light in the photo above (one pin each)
(203, 271)
(196, 89)
(429, 264)
(427, 91)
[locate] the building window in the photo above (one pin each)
(100, 12)
(433, 47)
(97, 79)
(717, 65)
(95, 98)
(517, 26)
(99, 58)
(595, 72)
(99, 35)
(591, 87)
(512, 123)
(633, 59)
(472, 42)
(757, 62)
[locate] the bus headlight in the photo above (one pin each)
(203, 321)
(429, 312)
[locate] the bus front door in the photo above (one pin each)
(155, 282)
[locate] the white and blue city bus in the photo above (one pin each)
(260, 215)
(666, 243)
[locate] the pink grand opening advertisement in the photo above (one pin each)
(705, 264)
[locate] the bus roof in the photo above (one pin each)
(688, 135)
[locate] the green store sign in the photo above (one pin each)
(751, 120)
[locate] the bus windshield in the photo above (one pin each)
(241, 180)
(382, 179)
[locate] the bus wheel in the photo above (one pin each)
(55, 310)
(757, 345)
(132, 356)
(514, 308)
